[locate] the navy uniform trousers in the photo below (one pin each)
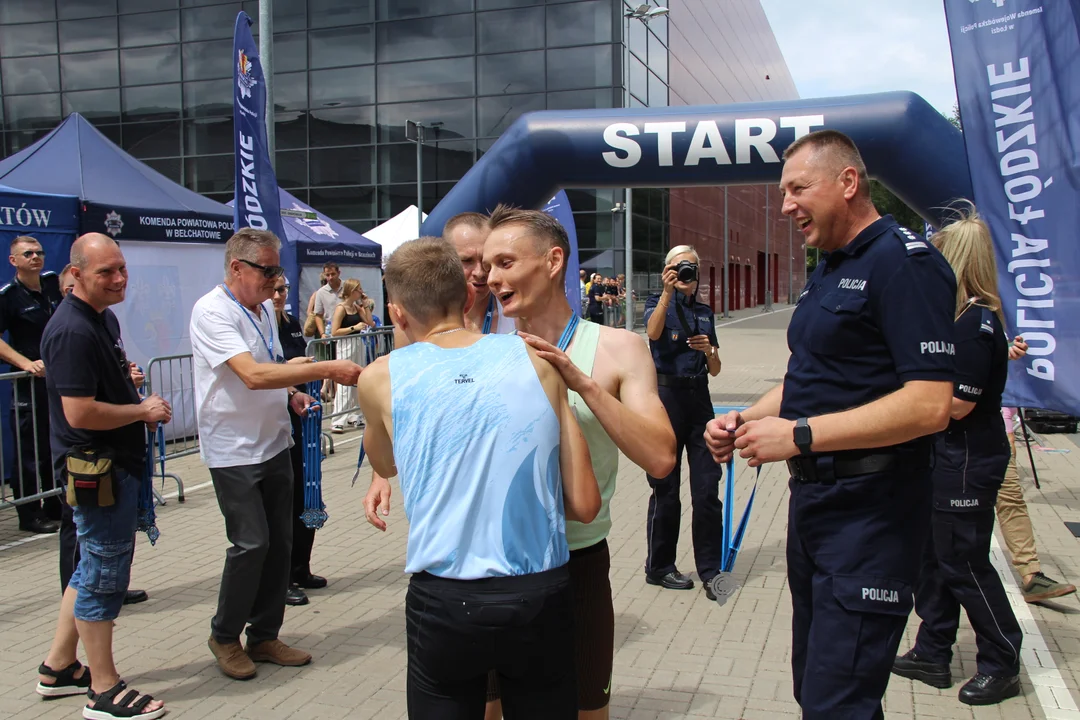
(35, 458)
(853, 553)
(957, 572)
(689, 409)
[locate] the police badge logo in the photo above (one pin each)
(674, 335)
(113, 223)
(244, 79)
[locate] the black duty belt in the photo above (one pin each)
(827, 469)
(682, 381)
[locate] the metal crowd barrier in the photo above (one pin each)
(173, 378)
(20, 388)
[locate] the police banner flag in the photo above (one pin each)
(558, 207)
(256, 195)
(1017, 65)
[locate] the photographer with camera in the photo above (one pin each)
(682, 337)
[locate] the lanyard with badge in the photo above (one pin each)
(490, 314)
(268, 345)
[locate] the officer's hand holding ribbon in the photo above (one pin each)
(770, 439)
(720, 435)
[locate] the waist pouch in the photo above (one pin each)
(91, 477)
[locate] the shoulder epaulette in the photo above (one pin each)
(914, 244)
(49, 273)
(6, 288)
(986, 324)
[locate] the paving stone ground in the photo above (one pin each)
(677, 655)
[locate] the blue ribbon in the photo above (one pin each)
(147, 518)
(314, 514)
(732, 543)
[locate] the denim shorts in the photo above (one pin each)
(106, 541)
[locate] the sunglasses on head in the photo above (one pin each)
(269, 271)
(33, 253)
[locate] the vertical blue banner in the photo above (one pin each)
(256, 196)
(1017, 65)
(558, 207)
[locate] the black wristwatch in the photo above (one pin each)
(804, 438)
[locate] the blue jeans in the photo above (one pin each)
(106, 538)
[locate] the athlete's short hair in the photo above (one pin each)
(425, 278)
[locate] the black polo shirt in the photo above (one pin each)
(875, 314)
(84, 354)
(25, 312)
(671, 354)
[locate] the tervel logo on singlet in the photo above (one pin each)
(463, 379)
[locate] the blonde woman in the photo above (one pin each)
(350, 317)
(970, 460)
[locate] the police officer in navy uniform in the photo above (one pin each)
(869, 379)
(971, 457)
(682, 337)
(26, 304)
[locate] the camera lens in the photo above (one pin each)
(686, 272)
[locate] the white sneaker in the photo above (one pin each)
(337, 429)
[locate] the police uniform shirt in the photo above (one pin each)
(24, 313)
(293, 344)
(84, 354)
(596, 291)
(874, 314)
(982, 356)
(671, 354)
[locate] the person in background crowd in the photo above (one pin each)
(94, 405)
(67, 281)
(312, 329)
(584, 286)
(327, 297)
(26, 304)
(243, 392)
(682, 338)
(595, 295)
(970, 461)
(350, 317)
(870, 376)
(294, 346)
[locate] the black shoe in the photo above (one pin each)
(707, 584)
(311, 582)
(989, 690)
(40, 526)
(910, 665)
(133, 597)
(674, 580)
(295, 596)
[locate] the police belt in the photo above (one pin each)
(682, 381)
(827, 469)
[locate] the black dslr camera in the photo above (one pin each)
(686, 271)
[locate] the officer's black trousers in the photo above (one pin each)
(303, 536)
(853, 556)
(689, 409)
(34, 457)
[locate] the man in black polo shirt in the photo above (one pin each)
(26, 304)
(93, 404)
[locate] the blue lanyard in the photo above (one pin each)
(269, 346)
(490, 312)
(568, 333)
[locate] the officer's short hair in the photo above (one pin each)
(425, 278)
(546, 231)
(22, 239)
(841, 149)
(246, 243)
(475, 220)
(679, 250)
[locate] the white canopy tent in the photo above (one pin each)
(401, 228)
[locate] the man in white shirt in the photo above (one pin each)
(328, 297)
(243, 391)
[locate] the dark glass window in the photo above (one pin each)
(75, 9)
(289, 15)
(426, 80)
(26, 11)
(342, 166)
(510, 73)
(94, 105)
(26, 112)
(397, 163)
(401, 9)
(291, 168)
(510, 30)
(345, 86)
(19, 40)
(210, 174)
(341, 47)
(150, 65)
(601, 200)
(211, 22)
(158, 28)
(290, 52)
(208, 98)
(138, 6)
(447, 160)
(146, 140)
(344, 202)
(495, 114)
(658, 95)
(501, 4)
(290, 91)
(456, 117)
(290, 130)
(31, 75)
(153, 102)
(16, 140)
(658, 57)
(580, 23)
(208, 60)
(112, 132)
(208, 136)
(392, 199)
(639, 39)
(86, 71)
(582, 99)
(426, 38)
(580, 67)
(361, 226)
(639, 78)
(84, 35)
(338, 13)
(343, 126)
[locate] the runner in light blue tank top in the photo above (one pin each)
(477, 447)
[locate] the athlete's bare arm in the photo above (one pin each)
(373, 393)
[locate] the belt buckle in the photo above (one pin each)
(803, 469)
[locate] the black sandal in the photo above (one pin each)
(66, 683)
(107, 707)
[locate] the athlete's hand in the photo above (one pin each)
(770, 439)
(573, 377)
(720, 436)
(377, 500)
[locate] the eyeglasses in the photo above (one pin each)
(281, 289)
(33, 253)
(269, 272)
